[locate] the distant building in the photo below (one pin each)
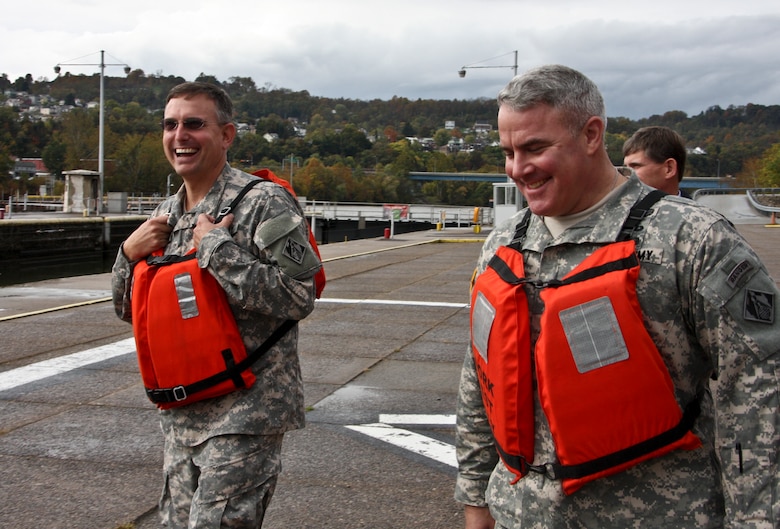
(482, 127)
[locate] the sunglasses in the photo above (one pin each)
(170, 125)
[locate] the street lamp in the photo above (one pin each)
(293, 160)
(462, 71)
(101, 126)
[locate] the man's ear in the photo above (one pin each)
(594, 134)
(670, 167)
(228, 134)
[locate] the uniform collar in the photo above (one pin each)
(600, 227)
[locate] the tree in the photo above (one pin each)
(442, 137)
(769, 174)
(141, 166)
(80, 136)
(53, 156)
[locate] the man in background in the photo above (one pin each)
(657, 155)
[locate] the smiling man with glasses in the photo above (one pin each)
(233, 233)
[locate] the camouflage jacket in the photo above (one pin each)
(698, 285)
(263, 287)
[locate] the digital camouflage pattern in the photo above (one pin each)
(266, 266)
(709, 304)
(218, 472)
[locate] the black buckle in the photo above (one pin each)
(179, 393)
(222, 213)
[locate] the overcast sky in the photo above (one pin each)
(647, 57)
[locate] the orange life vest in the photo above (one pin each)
(184, 332)
(188, 343)
(602, 383)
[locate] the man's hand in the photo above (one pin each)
(205, 224)
(148, 237)
(478, 517)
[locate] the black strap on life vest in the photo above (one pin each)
(233, 371)
(690, 413)
(163, 260)
(640, 211)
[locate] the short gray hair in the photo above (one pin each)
(559, 87)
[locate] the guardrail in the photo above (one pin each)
(753, 197)
(433, 213)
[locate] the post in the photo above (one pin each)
(101, 130)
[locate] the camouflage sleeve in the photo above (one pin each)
(475, 446)
(734, 311)
(121, 282)
(271, 277)
(476, 453)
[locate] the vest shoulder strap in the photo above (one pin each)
(230, 207)
(641, 210)
(638, 212)
(163, 260)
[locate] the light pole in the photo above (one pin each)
(462, 74)
(293, 160)
(462, 71)
(101, 121)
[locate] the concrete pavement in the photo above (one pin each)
(80, 446)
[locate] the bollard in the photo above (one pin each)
(477, 228)
(387, 233)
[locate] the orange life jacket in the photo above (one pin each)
(184, 332)
(602, 383)
(188, 343)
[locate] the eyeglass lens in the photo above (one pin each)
(188, 123)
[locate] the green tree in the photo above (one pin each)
(769, 174)
(53, 156)
(442, 137)
(141, 166)
(80, 136)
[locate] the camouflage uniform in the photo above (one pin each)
(708, 303)
(264, 287)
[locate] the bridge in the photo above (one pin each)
(430, 176)
(690, 184)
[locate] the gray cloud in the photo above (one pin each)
(664, 56)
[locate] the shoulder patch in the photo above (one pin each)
(737, 272)
(294, 250)
(759, 306)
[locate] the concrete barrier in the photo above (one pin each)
(36, 249)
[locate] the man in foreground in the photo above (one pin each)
(623, 365)
(222, 453)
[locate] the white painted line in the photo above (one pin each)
(430, 420)
(414, 442)
(393, 302)
(63, 364)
